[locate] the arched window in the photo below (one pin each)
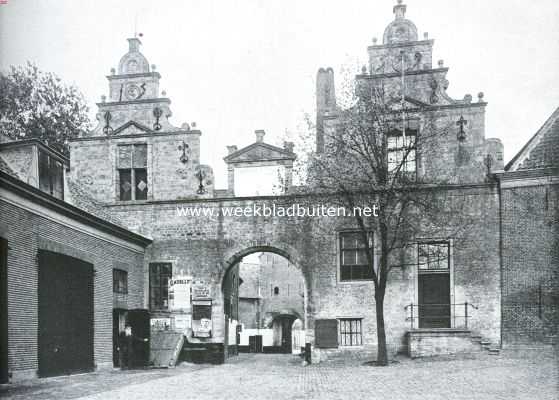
(276, 291)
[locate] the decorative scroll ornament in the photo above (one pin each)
(157, 113)
(107, 130)
(461, 133)
(434, 99)
(200, 175)
(184, 148)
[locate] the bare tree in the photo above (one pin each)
(370, 156)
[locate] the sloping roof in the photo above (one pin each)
(82, 200)
(69, 210)
(542, 150)
(4, 167)
(259, 151)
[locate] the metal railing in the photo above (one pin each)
(439, 315)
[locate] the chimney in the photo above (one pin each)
(259, 135)
(231, 149)
(288, 146)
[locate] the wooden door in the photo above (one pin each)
(434, 300)
(65, 314)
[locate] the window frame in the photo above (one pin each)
(357, 334)
(133, 170)
(342, 249)
(116, 288)
(398, 134)
(161, 287)
(438, 243)
(53, 175)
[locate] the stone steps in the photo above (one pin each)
(485, 344)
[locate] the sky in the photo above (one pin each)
(237, 66)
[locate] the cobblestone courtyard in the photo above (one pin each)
(508, 376)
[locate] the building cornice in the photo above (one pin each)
(399, 74)
(403, 44)
(131, 76)
(136, 135)
(141, 101)
(25, 142)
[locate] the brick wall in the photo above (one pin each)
(205, 248)
(530, 263)
(30, 230)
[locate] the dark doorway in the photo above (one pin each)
(434, 300)
(65, 314)
(119, 323)
(139, 322)
(3, 311)
(286, 323)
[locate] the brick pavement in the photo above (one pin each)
(526, 375)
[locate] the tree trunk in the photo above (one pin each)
(382, 356)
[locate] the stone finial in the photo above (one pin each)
(231, 149)
(441, 63)
(185, 126)
(400, 10)
(259, 135)
(288, 146)
(468, 98)
(364, 69)
(425, 35)
(480, 96)
(153, 67)
(103, 98)
(375, 40)
(113, 71)
(193, 124)
(163, 93)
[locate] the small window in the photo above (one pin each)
(350, 333)
(353, 257)
(433, 256)
(276, 291)
(51, 175)
(120, 281)
(159, 275)
(132, 172)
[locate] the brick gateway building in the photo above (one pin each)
(139, 168)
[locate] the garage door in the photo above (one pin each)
(65, 314)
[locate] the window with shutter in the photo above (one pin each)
(132, 172)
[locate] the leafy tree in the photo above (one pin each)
(36, 104)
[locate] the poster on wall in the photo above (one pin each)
(202, 318)
(201, 290)
(183, 322)
(179, 293)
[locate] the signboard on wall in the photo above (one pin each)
(183, 322)
(201, 290)
(179, 293)
(160, 324)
